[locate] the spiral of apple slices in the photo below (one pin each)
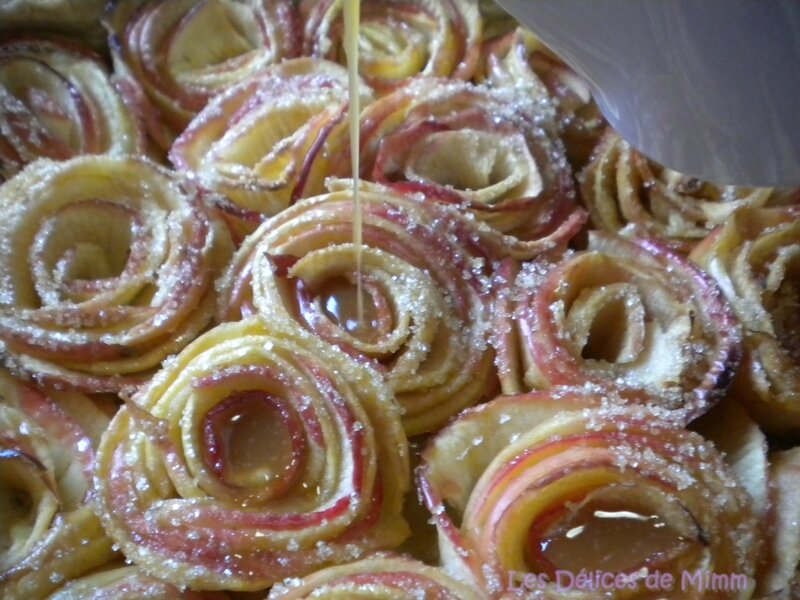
(755, 258)
(626, 313)
(48, 532)
(381, 576)
(620, 186)
(398, 39)
(425, 280)
(552, 483)
(491, 152)
(258, 453)
(258, 144)
(174, 55)
(57, 101)
(773, 482)
(127, 583)
(518, 58)
(106, 267)
(779, 573)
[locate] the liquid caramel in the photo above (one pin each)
(340, 303)
(256, 445)
(616, 541)
(352, 17)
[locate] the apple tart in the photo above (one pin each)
(215, 366)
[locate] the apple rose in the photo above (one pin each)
(57, 101)
(258, 453)
(174, 55)
(773, 482)
(106, 267)
(518, 58)
(382, 576)
(755, 258)
(398, 39)
(530, 491)
(425, 283)
(493, 153)
(626, 313)
(745, 450)
(622, 186)
(127, 583)
(258, 144)
(48, 532)
(778, 576)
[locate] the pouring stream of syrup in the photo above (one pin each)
(352, 17)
